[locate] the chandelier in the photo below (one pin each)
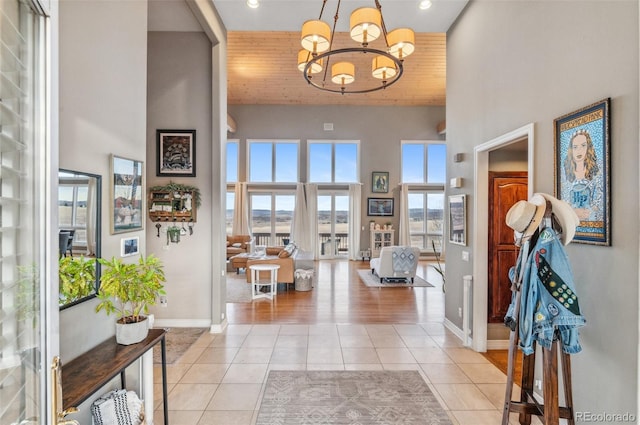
(366, 25)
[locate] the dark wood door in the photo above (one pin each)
(505, 189)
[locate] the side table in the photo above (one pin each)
(255, 280)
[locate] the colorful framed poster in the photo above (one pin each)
(582, 166)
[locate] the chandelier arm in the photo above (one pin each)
(333, 34)
(324, 2)
(384, 27)
(343, 90)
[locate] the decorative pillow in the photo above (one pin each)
(284, 253)
(228, 243)
(237, 245)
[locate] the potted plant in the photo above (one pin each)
(128, 290)
(77, 278)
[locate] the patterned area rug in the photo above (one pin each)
(373, 281)
(238, 290)
(178, 341)
(346, 397)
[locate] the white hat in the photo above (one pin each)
(566, 216)
(525, 216)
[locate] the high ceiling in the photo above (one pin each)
(263, 44)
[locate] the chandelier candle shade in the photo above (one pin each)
(366, 25)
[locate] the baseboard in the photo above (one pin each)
(219, 328)
(181, 323)
(497, 344)
(457, 332)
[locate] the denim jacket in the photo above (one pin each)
(548, 299)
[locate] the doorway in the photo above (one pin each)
(482, 152)
(333, 224)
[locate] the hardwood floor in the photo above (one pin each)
(339, 296)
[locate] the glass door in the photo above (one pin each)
(333, 225)
(271, 218)
(27, 306)
(426, 218)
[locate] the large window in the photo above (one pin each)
(271, 217)
(424, 167)
(333, 224)
(333, 162)
(273, 161)
(232, 161)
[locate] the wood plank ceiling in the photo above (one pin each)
(262, 70)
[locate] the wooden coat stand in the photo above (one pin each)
(551, 411)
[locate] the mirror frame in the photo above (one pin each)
(98, 178)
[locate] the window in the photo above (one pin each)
(232, 161)
(333, 224)
(72, 205)
(333, 162)
(273, 161)
(424, 166)
(271, 217)
(424, 162)
(231, 199)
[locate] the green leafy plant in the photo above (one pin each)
(129, 289)
(438, 266)
(177, 187)
(77, 276)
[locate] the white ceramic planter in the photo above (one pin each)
(131, 333)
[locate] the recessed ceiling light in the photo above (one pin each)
(253, 4)
(424, 4)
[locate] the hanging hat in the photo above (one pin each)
(566, 216)
(524, 217)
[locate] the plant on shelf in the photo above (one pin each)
(438, 266)
(177, 187)
(77, 278)
(128, 290)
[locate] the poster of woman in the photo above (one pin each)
(582, 169)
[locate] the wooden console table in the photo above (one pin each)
(86, 374)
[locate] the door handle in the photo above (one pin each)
(56, 393)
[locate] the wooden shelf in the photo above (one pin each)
(169, 206)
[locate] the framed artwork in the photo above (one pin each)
(582, 163)
(380, 206)
(127, 197)
(458, 219)
(380, 182)
(129, 246)
(176, 153)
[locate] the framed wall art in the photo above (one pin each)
(458, 219)
(176, 153)
(127, 197)
(380, 182)
(129, 246)
(380, 206)
(582, 163)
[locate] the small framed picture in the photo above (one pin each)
(129, 246)
(582, 169)
(176, 153)
(380, 182)
(458, 219)
(380, 206)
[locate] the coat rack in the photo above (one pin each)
(174, 205)
(551, 411)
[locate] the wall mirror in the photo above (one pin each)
(79, 228)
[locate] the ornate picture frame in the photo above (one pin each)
(380, 182)
(458, 219)
(127, 195)
(382, 207)
(582, 167)
(176, 153)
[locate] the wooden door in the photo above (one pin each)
(505, 189)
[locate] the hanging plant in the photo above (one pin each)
(177, 187)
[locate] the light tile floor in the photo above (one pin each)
(220, 379)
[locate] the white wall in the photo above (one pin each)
(533, 62)
(102, 91)
(179, 97)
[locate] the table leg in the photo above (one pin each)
(163, 346)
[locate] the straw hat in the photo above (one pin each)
(524, 217)
(566, 216)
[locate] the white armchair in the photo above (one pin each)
(396, 262)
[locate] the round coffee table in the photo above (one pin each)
(256, 284)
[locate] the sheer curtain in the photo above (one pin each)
(300, 224)
(241, 210)
(91, 216)
(311, 190)
(355, 207)
(404, 237)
